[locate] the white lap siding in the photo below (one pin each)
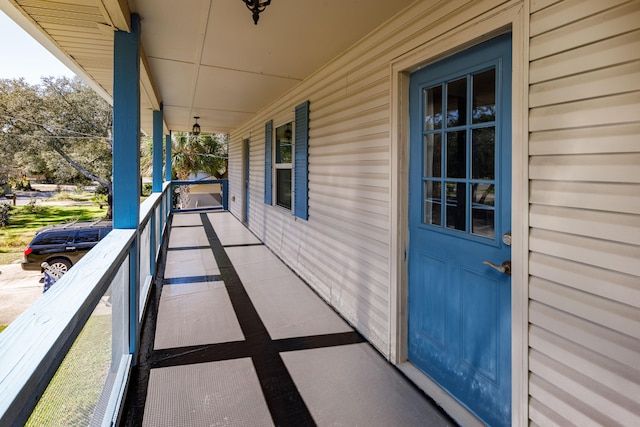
(584, 288)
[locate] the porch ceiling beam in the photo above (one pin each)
(118, 14)
(149, 87)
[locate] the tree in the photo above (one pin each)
(60, 129)
(205, 153)
(192, 154)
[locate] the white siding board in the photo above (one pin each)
(591, 394)
(612, 80)
(597, 367)
(541, 415)
(603, 341)
(617, 21)
(621, 138)
(612, 285)
(590, 167)
(600, 111)
(614, 197)
(567, 12)
(610, 255)
(537, 5)
(605, 53)
(617, 227)
(614, 315)
(560, 404)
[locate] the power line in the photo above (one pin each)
(46, 127)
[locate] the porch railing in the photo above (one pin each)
(87, 324)
(199, 195)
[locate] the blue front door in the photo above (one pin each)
(459, 218)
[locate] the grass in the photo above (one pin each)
(25, 220)
(3, 327)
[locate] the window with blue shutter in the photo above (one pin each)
(268, 154)
(301, 162)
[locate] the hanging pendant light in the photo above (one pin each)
(196, 127)
(256, 7)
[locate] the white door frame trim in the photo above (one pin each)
(513, 17)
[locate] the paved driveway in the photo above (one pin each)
(18, 290)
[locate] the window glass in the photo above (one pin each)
(283, 165)
(459, 154)
(433, 108)
(87, 236)
(284, 137)
(433, 155)
(484, 96)
(457, 103)
(52, 238)
(283, 195)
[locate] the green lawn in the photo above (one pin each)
(25, 220)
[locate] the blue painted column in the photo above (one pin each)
(168, 166)
(157, 151)
(126, 155)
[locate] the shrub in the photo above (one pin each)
(5, 214)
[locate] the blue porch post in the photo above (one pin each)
(168, 166)
(126, 154)
(156, 183)
(157, 151)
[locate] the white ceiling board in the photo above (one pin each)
(256, 90)
(210, 120)
(173, 79)
(206, 57)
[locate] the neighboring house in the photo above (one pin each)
(455, 133)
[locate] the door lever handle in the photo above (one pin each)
(504, 268)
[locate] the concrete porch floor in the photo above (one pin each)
(233, 337)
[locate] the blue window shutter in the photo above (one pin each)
(301, 162)
(268, 153)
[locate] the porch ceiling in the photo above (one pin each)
(203, 58)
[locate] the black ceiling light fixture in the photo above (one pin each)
(256, 7)
(196, 127)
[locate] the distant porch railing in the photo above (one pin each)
(199, 195)
(70, 353)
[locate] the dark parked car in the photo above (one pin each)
(63, 245)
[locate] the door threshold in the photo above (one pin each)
(451, 406)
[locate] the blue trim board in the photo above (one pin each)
(268, 160)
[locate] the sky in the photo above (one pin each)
(22, 56)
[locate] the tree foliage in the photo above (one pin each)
(59, 129)
(205, 153)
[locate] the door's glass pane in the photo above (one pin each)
(433, 108)
(433, 155)
(432, 203)
(457, 103)
(484, 194)
(456, 154)
(483, 142)
(484, 96)
(283, 190)
(284, 135)
(483, 198)
(456, 205)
